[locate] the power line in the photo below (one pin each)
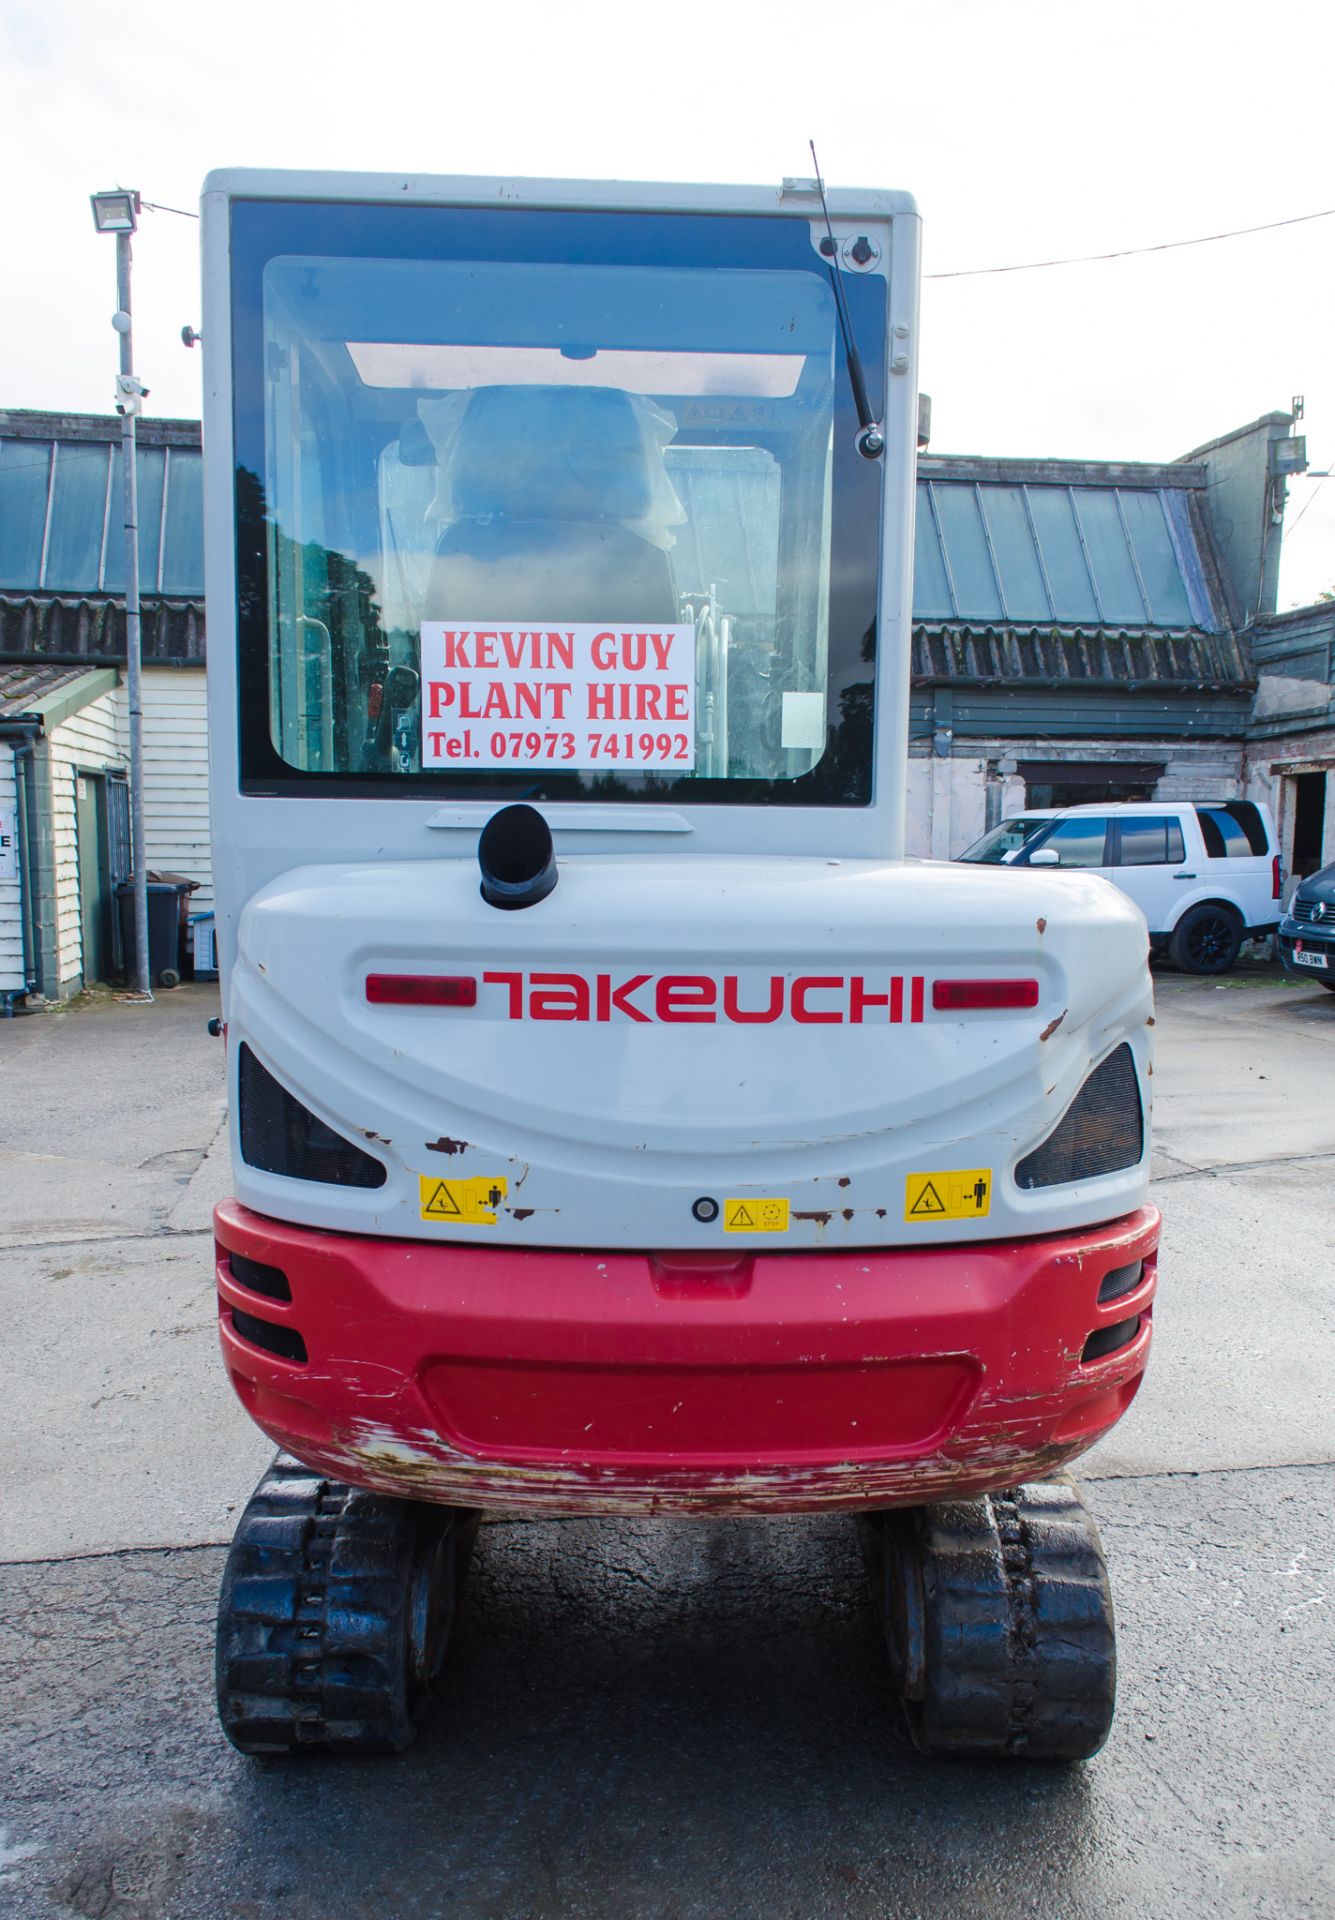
(1125, 253)
(1025, 266)
(1321, 481)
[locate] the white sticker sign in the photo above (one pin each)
(9, 848)
(547, 696)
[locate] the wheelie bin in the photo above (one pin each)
(166, 908)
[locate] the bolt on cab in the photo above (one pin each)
(621, 1125)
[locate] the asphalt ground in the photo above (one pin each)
(647, 1719)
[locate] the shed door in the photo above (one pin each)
(121, 863)
(94, 875)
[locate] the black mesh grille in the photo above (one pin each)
(1119, 1281)
(270, 1281)
(1108, 1340)
(286, 1342)
(278, 1135)
(1102, 1131)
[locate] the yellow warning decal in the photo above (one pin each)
(949, 1196)
(461, 1203)
(765, 1215)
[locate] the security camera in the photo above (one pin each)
(130, 393)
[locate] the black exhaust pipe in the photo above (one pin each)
(515, 853)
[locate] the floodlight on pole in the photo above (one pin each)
(117, 213)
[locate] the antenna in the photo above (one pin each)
(870, 440)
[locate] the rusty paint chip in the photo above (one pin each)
(843, 1180)
(1041, 924)
(821, 1219)
(1053, 1025)
(446, 1145)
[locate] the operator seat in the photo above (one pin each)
(541, 484)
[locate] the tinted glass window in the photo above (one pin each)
(1235, 832)
(971, 572)
(149, 466)
(1150, 843)
(1078, 843)
(78, 515)
(931, 589)
(1073, 554)
(24, 470)
(1015, 553)
(1063, 556)
(1119, 594)
(183, 526)
(1152, 544)
(1248, 816)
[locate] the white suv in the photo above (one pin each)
(1205, 874)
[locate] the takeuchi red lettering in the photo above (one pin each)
(817, 983)
(558, 996)
(703, 999)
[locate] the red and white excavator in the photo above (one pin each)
(621, 1124)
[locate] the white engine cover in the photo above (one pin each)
(600, 1111)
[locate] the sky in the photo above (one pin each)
(1027, 131)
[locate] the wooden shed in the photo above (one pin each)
(64, 834)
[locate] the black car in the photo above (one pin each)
(1306, 937)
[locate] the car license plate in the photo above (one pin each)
(1310, 960)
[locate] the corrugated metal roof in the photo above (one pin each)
(35, 626)
(1092, 573)
(949, 653)
(1314, 622)
(24, 686)
(152, 430)
(1072, 556)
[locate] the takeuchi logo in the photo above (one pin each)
(701, 999)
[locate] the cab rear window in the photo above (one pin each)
(551, 504)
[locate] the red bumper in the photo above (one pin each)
(561, 1382)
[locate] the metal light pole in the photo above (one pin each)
(118, 213)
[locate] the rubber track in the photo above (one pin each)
(1020, 1650)
(312, 1619)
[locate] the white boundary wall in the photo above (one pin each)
(176, 795)
(176, 777)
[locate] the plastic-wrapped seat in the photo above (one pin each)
(543, 488)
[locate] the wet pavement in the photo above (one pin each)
(648, 1719)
